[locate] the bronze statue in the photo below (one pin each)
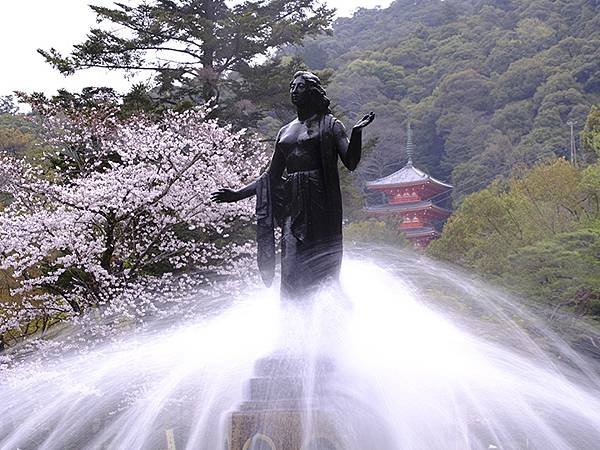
(306, 203)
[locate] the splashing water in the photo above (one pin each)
(405, 355)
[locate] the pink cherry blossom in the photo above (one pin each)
(126, 214)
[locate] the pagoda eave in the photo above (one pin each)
(400, 208)
(385, 187)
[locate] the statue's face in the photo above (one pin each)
(299, 91)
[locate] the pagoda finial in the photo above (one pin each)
(410, 147)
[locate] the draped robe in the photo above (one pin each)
(307, 205)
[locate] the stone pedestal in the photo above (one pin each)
(280, 412)
(280, 430)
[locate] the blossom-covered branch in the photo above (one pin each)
(135, 210)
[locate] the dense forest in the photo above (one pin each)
(491, 88)
(487, 84)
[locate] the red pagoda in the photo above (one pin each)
(411, 198)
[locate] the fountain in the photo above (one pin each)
(401, 357)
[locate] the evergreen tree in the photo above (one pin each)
(198, 49)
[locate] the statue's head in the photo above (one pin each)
(306, 91)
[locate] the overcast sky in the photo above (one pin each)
(26, 25)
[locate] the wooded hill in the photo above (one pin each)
(490, 87)
(488, 84)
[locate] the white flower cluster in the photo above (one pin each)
(135, 212)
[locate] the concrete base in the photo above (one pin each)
(275, 417)
(280, 430)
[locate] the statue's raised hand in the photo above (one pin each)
(364, 121)
(225, 195)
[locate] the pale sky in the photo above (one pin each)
(26, 25)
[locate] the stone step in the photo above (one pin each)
(283, 366)
(281, 388)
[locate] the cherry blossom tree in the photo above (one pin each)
(123, 213)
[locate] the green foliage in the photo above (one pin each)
(563, 270)
(139, 99)
(465, 88)
(590, 138)
(516, 118)
(520, 81)
(389, 76)
(13, 140)
(538, 233)
(374, 232)
(19, 136)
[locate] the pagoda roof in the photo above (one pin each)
(406, 207)
(408, 175)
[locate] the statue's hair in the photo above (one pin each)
(317, 93)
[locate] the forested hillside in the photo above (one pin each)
(488, 84)
(490, 87)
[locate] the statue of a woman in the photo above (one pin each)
(305, 201)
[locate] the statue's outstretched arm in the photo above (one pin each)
(350, 149)
(275, 170)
